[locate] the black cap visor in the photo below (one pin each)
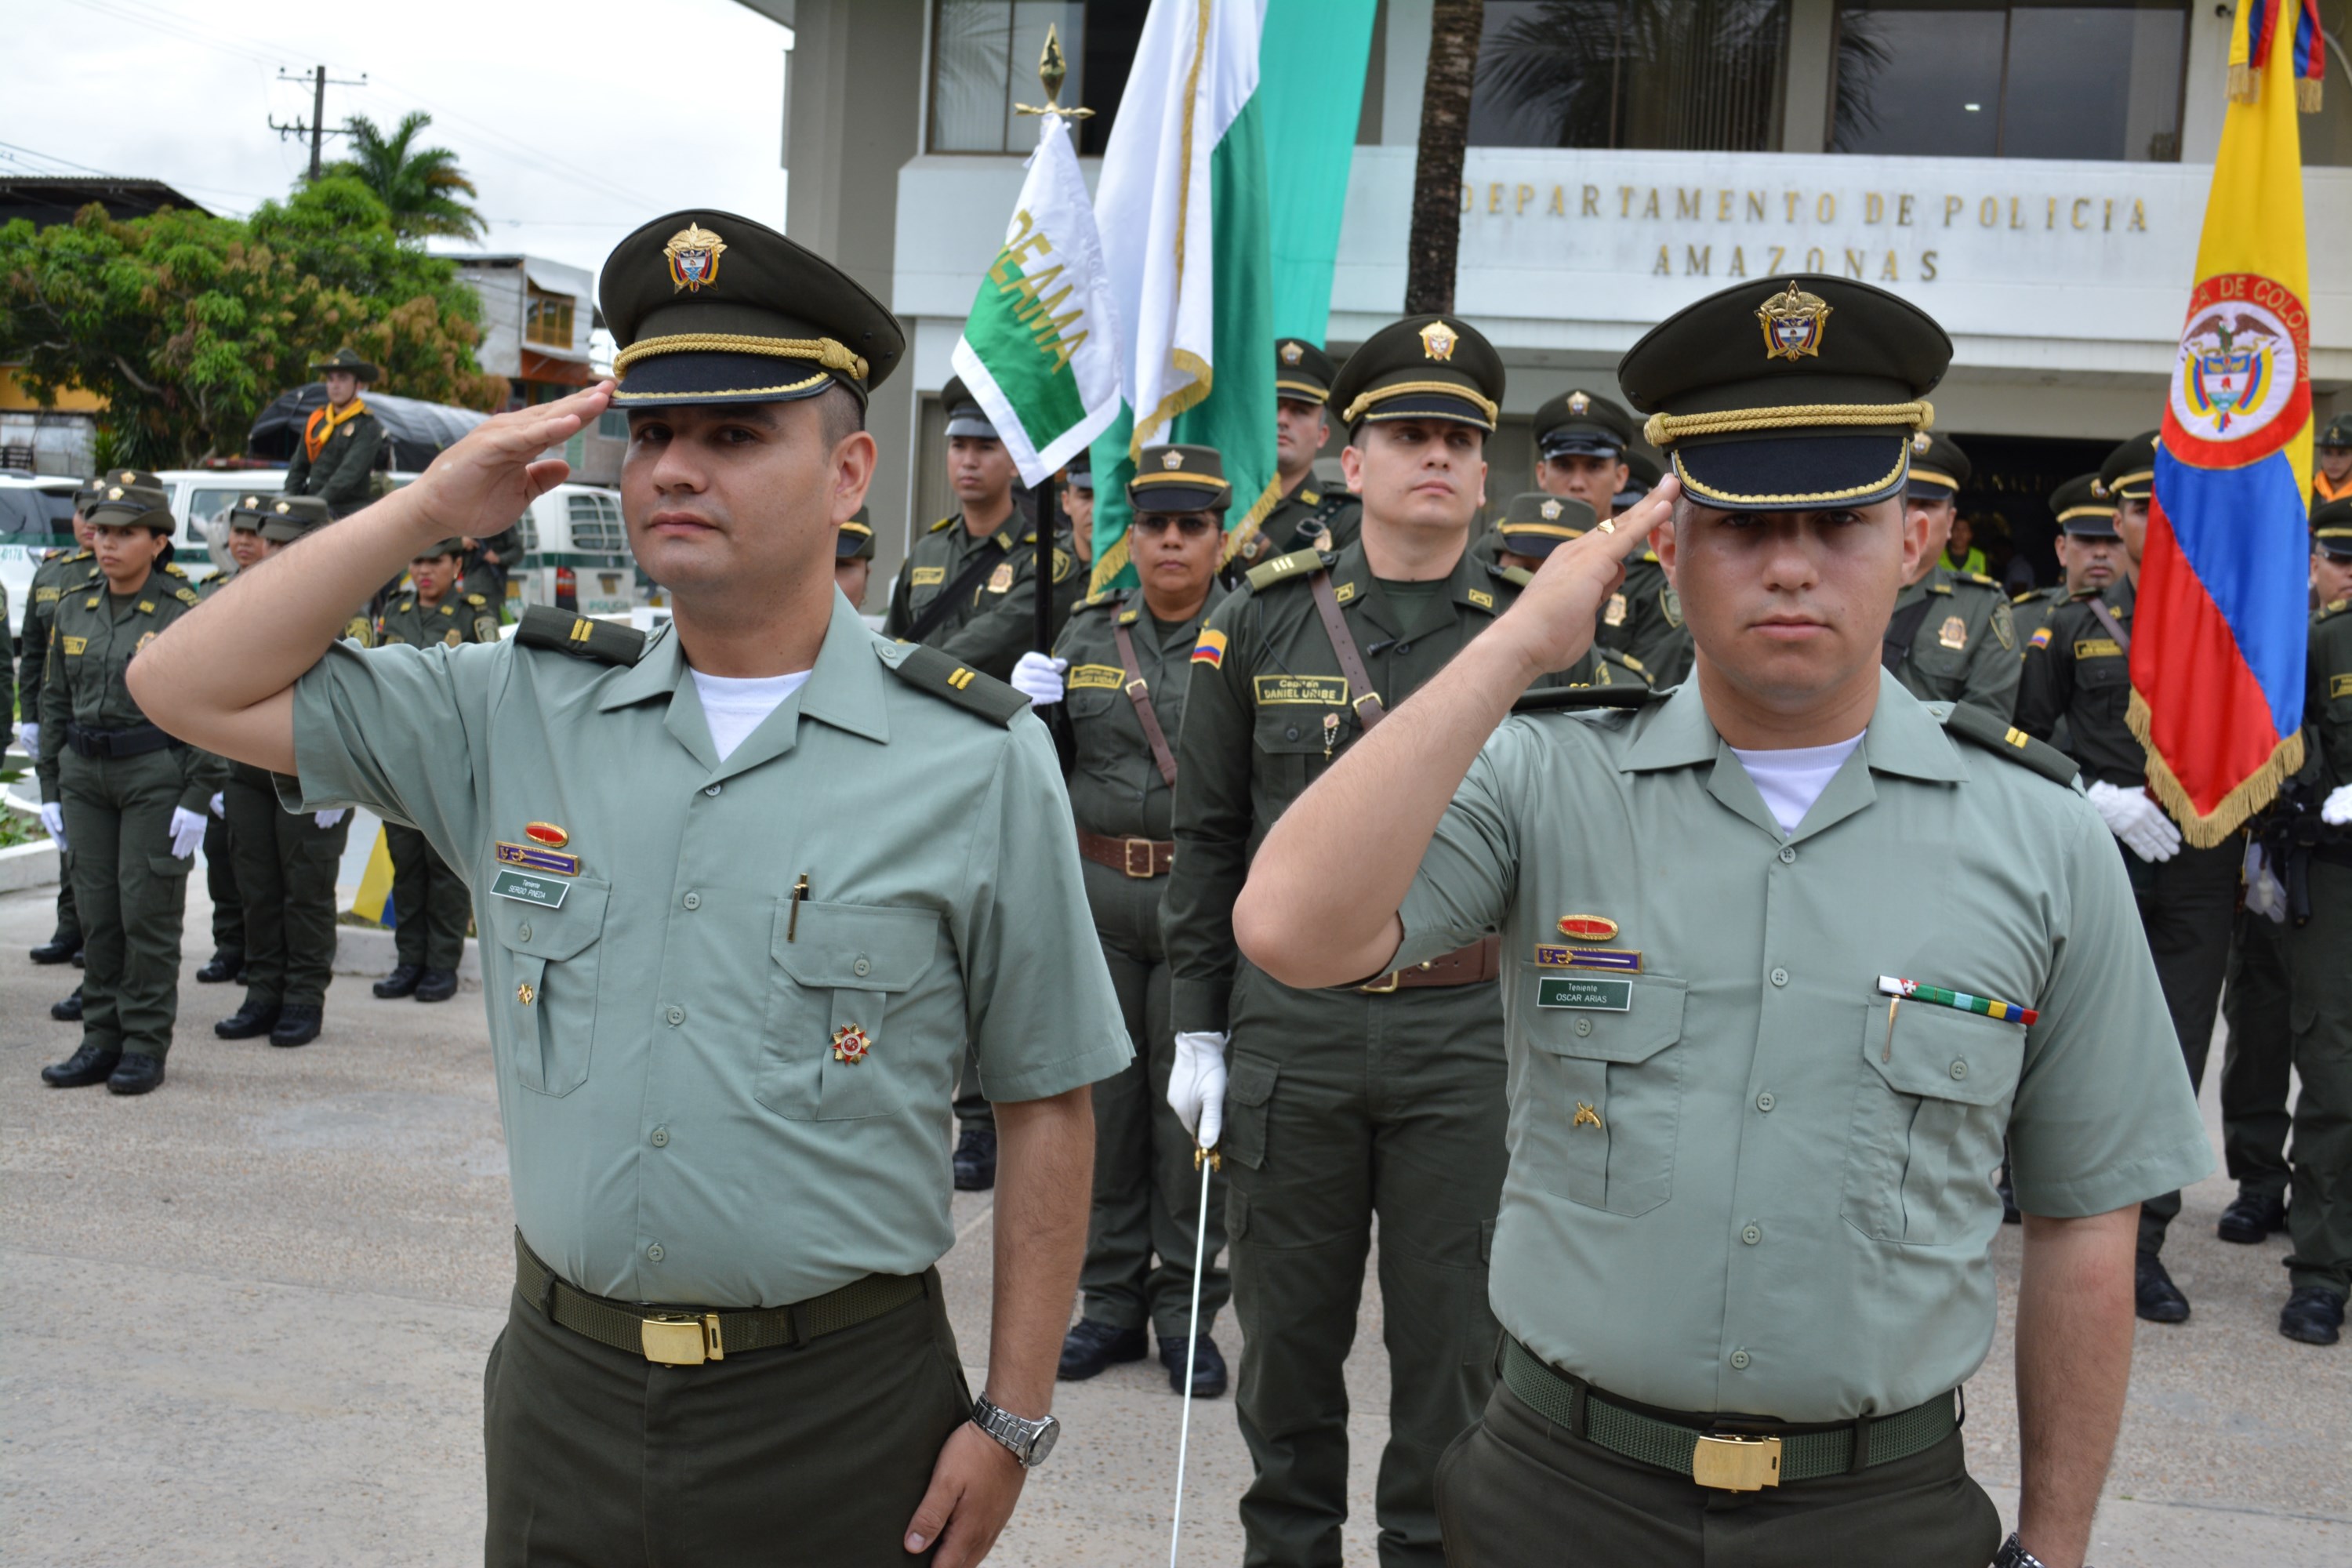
(2089, 525)
(1176, 493)
(1535, 540)
(853, 539)
(670, 380)
(1426, 404)
(1571, 442)
(1794, 471)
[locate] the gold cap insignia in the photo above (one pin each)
(1792, 324)
(1919, 445)
(1578, 403)
(283, 509)
(1171, 459)
(1437, 341)
(2098, 489)
(128, 476)
(692, 255)
(1292, 353)
(251, 502)
(114, 492)
(1551, 510)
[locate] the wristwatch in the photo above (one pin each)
(2013, 1554)
(1027, 1441)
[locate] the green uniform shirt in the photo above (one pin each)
(457, 619)
(96, 634)
(2029, 612)
(339, 474)
(61, 571)
(2327, 700)
(2075, 670)
(665, 1021)
(995, 620)
(1964, 648)
(1644, 621)
(1116, 789)
(1732, 1187)
(1311, 518)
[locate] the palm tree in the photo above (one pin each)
(419, 184)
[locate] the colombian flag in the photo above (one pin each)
(2217, 653)
(374, 898)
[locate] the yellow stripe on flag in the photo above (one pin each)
(374, 900)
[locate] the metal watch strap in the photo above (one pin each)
(2013, 1554)
(1018, 1433)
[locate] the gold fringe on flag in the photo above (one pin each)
(2252, 793)
(2306, 94)
(2241, 82)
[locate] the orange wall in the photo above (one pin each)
(17, 400)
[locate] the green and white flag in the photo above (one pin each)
(1040, 350)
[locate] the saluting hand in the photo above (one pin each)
(487, 481)
(1553, 621)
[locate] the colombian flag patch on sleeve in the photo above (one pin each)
(1211, 650)
(2041, 638)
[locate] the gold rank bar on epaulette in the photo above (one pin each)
(581, 637)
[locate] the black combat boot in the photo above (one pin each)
(298, 1024)
(2252, 1217)
(2311, 1315)
(2154, 1295)
(89, 1065)
(136, 1075)
(436, 986)
(70, 1010)
(249, 1022)
(59, 949)
(224, 965)
(401, 982)
(1208, 1367)
(1090, 1347)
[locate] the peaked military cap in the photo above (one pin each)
(965, 415)
(1536, 525)
(1080, 473)
(2082, 507)
(1423, 367)
(1939, 469)
(1788, 396)
(2339, 432)
(441, 547)
(1583, 423)
(1179, 478)
(2129, 472)
(284, 518)
(2331, 528)
(346, 359)
(708, 306)
(1643, 472)
(251, 510)
(122, 501)
(854, 541)
(1302, 372)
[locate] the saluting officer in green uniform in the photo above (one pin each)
(852, 559)
(245, 546)
(60, 572)
(286, 862)
(1582, 440)
(429, 899)
(1122, 667)
(1384, 1098)
(745, 887)
(340, 441)
(126, 798)
(1952, 638)
(1757, 1084)
(1308, 517)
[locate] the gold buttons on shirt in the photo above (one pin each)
(525, 994)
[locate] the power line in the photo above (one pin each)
(10, 147)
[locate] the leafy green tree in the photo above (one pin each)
(189, 325)
(418, 184)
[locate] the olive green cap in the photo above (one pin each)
(1302, 372)
(1423, 367)
(94, 489)
(709, 307)
(251, 510)
(855, 541)
(1582, 423)
(288, 518)
(2082, 507)
(966, 417)
(2129, 472)
(2331, 528)
(346, 359)
(119, 505)
(1536, 525)
(1939, 469)
(1179, 478)
(2339, 432)
(1080, 473)
(441, 547)
(1788, 396)
(1643, 472)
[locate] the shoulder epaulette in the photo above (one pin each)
(941, 523)
(407, 603)
(1978, 578)
(2333, 608)
(187, 595)
(1974, 723)
(1334, 503)
(476, 600)
(1298, 563)
(1516, 576)
(561, 631)
(1549, 699)
(2021, 598)
(928, 669)
(1940, 587)
(1099, 601)
(173, 569)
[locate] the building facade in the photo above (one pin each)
(537, 316)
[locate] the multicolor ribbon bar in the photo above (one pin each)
(2008, 1012)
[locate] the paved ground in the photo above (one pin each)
(246, 1316)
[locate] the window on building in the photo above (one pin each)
(547, 319)
(984, 61)
(596, 526)
(1680, 75)
(1969, 79)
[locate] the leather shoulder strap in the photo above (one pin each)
(1139, 693)
(983, 561)
(1361, 695)
(2106, 617)
(1902, 629)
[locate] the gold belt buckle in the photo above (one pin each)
(1128, 847)
(1736, 1464)
(682, 1342)
(1385, 983)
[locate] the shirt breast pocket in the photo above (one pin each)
(553, 956)
(1604, 1100)
(1295, 743)
(1930, 1109)
(829, 1052)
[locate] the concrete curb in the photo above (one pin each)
(28, 866)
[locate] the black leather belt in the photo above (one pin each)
(135, 741)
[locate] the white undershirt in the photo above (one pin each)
(1790, 780)
(735, 707)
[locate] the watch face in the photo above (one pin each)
(1044, 1443)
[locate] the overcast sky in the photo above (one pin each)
(577, 121)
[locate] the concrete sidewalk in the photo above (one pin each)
(247, 1316)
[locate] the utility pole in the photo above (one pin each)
(317, 127)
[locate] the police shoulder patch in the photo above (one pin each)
(561, 631)
(928, 670)
(1973, 723)
(1283, 568)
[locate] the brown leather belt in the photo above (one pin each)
(1141, 859)
(1463, 966)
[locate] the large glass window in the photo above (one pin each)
(1682, 75)
(2084, 78)
(984, 61)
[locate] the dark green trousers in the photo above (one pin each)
(2319, 1213)
(1518, 1489)
(430, 901)
(815, 1454)
(2187, 905)
(1147, 1191)
(220, 881)
(132, 892)
(1342, 1107)
(69, 918)
(2254, 1056)
(285, 876)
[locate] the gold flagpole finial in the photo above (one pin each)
(1053, 69)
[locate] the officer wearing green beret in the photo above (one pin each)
(1384, 1097)
(1952, 638)
(340, 441)
(1758, 1083)
(2331, 480)
(1582, 443)
(429, 900)
(745, 886)
(61, 571)
(1308, 516)
(122, 795)
(245, 546)
(1120, 667)
(852, 558)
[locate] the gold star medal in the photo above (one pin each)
(850, 1044)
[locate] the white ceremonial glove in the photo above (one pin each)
(2336, 809)
(326, 819)
(220, 806)
(188, 831)
(53, 817)
(2139, 821)
(1196, 1086)
(2264, 897)
(1039, 679)
(29, 737)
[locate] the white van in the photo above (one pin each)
(575, 555)
(36, 517)
(200, 496)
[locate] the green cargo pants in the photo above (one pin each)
(68, 927)
(1147, 1191)
(2254, 1056)
(2186, 903)
(286, 875)
(132, 892)
(1343, 1106)
(2319, 1215)
(431, 902)
(220, 882)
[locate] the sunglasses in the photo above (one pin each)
(1191, 524)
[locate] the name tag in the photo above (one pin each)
(2340, 686)
(74, 645)
(1308, 691)
(1097, 678)
(525, 888)
(928, 576)
(1589, 995)
(2098, 647)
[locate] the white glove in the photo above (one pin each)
(1039, 679)
(220, 806)
(1196, 1086)
(188, 831)
(2264, 897)
(29, 737)
(326, 819)
(53, 817)
(2336, 809)
(2139, 821)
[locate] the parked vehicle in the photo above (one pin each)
(575, 555)
(36, 517)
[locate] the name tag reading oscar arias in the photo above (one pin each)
(523, 887)
(1587, 995)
